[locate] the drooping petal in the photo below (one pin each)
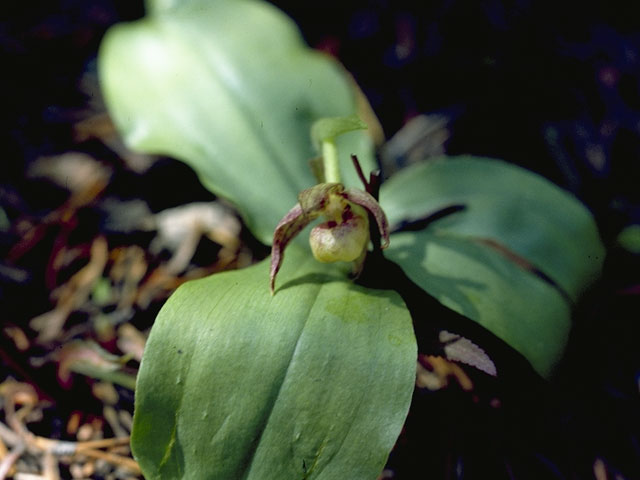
(291, 224)
(367, 201)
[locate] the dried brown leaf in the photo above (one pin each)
(72, 294)
(434, 373)
(131, 341)
(461, 349)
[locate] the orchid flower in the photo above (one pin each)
(344, 236)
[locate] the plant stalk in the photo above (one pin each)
(330, 161)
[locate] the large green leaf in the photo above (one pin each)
(314, 382)
(511, 260)
(229, 87)
(505, 203)
(480, 283)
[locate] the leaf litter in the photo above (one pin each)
(66, 397)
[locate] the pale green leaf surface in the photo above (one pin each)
(162, 6)
(314, 382)
(480, 283)
(229, 87)
(518, 209)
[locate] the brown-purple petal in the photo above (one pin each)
(365, 200)
(291, 224)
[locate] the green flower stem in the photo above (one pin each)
(330, 160)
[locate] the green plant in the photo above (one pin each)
(316, 380)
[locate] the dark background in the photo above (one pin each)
(552, 86)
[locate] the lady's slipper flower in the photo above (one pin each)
(345, 234)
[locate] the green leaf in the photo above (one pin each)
(229, 87)
(314, 382)
(514, 259)
(480, 283)
(629, 238)
(518, 209)
(162, 6)
(330, 128)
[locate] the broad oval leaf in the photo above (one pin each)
(516, 208)
(483, 285)
(514, 260)
(314, 382)
(229, 87)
